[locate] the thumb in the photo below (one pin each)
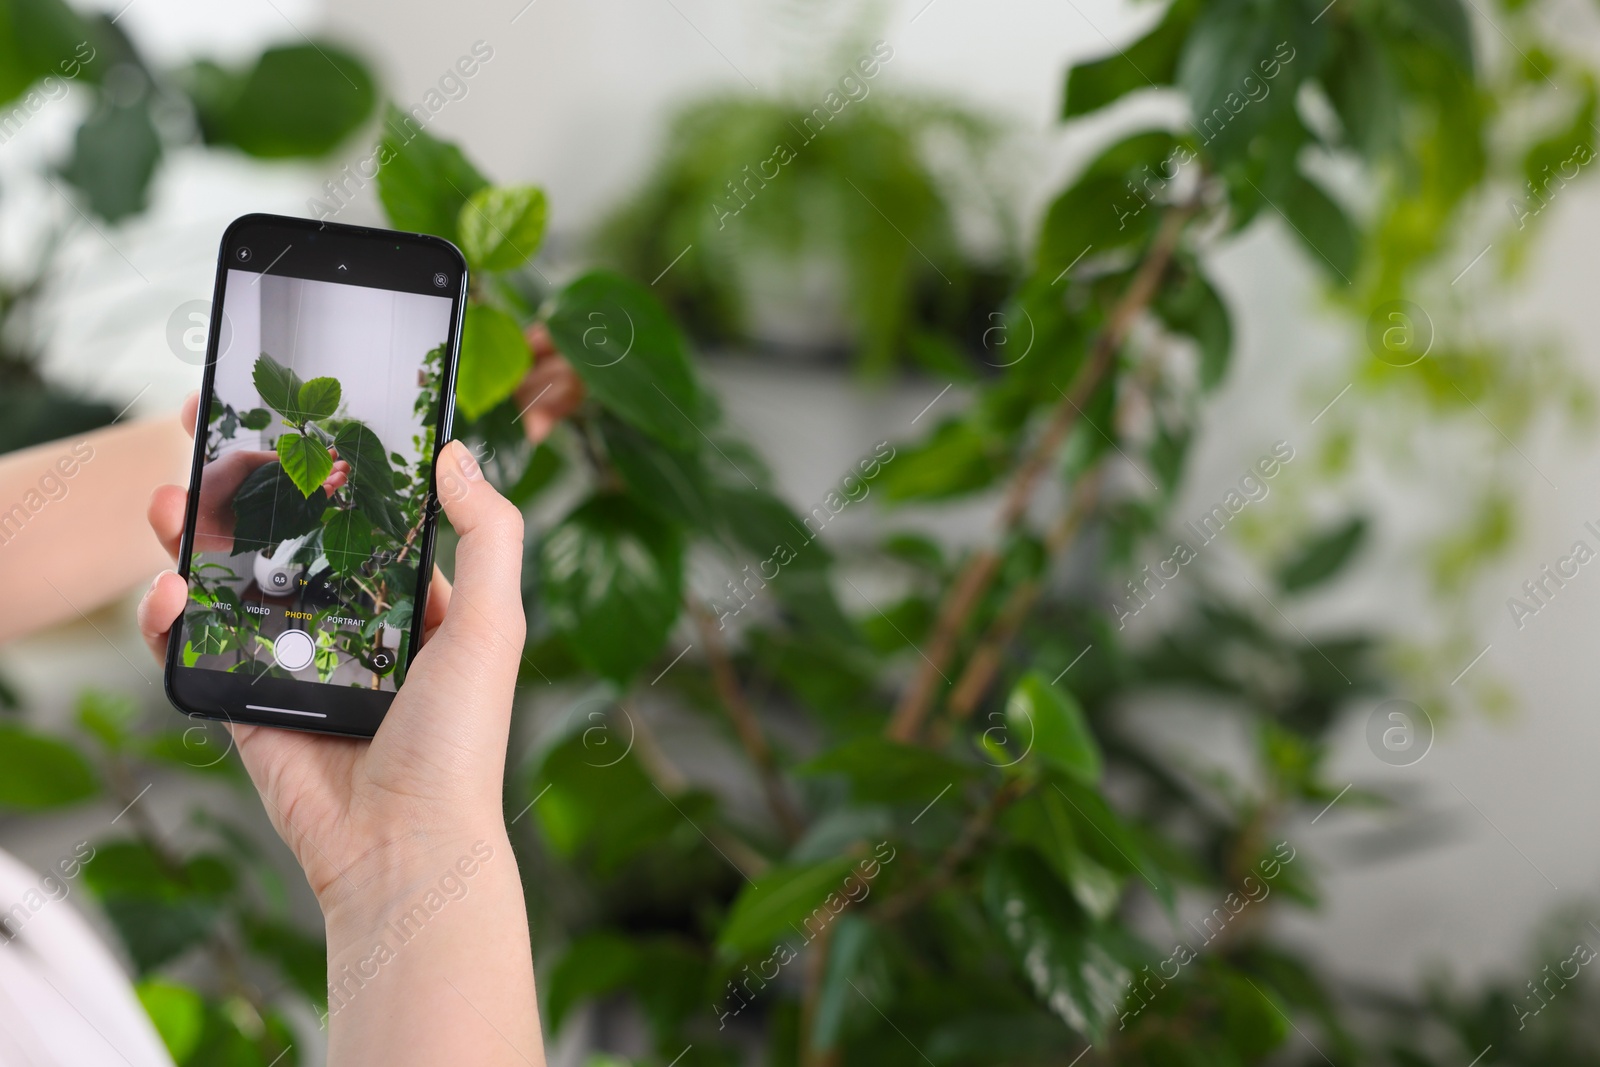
(486, 603)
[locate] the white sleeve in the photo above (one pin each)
(64, 1000)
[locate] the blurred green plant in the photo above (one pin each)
(757, 197)
(203, 892)
(295, 101)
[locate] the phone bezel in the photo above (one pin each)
(209, 694)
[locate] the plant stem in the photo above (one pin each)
(985, 660)
(671, 782)
(981, 567)
(816, 970)
(746, 725)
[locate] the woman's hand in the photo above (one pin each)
(385, 827)
(224, 475)
(551, 391)
(434, 770)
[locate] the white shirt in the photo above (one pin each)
(64, 1001)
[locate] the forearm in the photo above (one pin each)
(432, 964)
(73, 534)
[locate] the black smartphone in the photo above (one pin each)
(308, 541)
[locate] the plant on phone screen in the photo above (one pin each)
(357, 540)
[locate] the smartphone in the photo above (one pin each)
(308, 540)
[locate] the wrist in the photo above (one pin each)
(403, 885)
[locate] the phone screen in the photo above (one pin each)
(315, 447)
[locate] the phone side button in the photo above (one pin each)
(286, 711)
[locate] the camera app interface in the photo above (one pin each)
(319, 440)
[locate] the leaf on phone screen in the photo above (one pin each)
(318, 399)
(346, 540)
(256, 419)
(494, 357)
(269, 509)
(502, 227)
(371, 480)
(306, 461)
(278, 385)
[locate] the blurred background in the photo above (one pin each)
(1420, 338)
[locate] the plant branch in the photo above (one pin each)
(816, 971)
(984, 663)
(671, 782)
(981, 567)
(746, 725)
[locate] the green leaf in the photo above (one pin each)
(1192, 306)
(1045, 720)
(884, 771)
(778, 905)
(502, 226)
(667, 479)
(306, 460)
(1075, 967)
(108, 716)
(296, 101)
(115, 154)
(303, 960)
(630, 355)
(612, 584)
(422, 182)
(494, 358)
(544, 467)
(1241, 67)
(593, 966)
(1254, 1021)
(851, 944)
(278, 385)
(1113, 204)
(269, 509)
(346, 540)
(959, 457)
(317, 399)
(1322, 225)
(371, 479)
(40, 38)
(1043, 820)
(1149, 62)
(256, 419)
(1110, 842)
(178, 1013)
(1445, 22)
(595, 804)
(1325, 556)
(159, 931)
(38, 772)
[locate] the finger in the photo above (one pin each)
(486, 601)
(539, 339)
(438, 604)
(167, 506)
(160, 608)
(189, 412)
(549, 393)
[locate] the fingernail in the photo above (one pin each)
(157, 581)
(468, 463)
